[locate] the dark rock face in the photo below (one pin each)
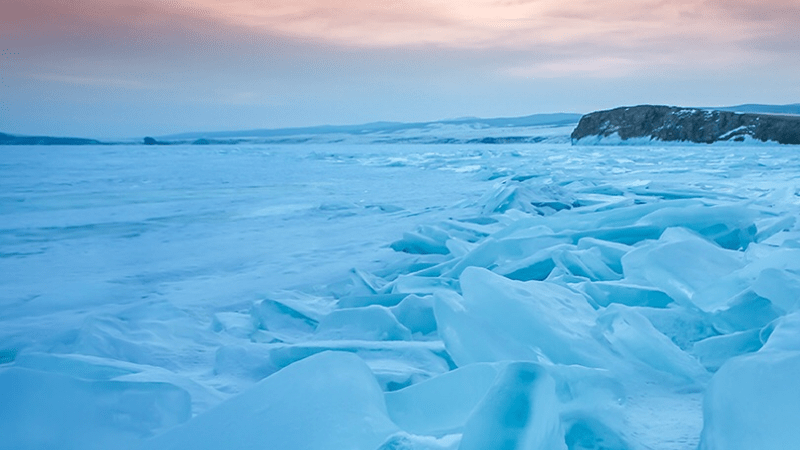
(8, 139)
(669, 123)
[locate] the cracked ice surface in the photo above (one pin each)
(400, 296)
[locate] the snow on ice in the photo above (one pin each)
(325, 296)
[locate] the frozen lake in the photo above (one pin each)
(116, 224)
(151, 264)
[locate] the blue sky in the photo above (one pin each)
(125, 68)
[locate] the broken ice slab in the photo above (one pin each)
(516, 320)
(329, 400)
(520, 410)
(626, 235)
(418, 243)
(470, 340)
(672, 192)
(437, 239)
(769, 227)
(360, 301)
(782, 334)
(396, 364)
(291, 318)
(680, 264)
(713, 352)
(587, 263)
(634, 340)
(442, 404)
(604, 293)
(535, 267)
(503, 252)
(412, 284)
(246, 361)
(236, 324)
(753, 401)
(416, 314)
(406, 441)
(745, 312)
(611, 253)
(730, 226)
(370, 323)
(681, 324)
(781, 287)
(49, 410)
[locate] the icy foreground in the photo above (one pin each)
(500, 297)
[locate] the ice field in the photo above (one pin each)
(400, 296)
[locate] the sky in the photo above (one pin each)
(130, 68)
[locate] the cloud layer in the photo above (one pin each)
(305, 61)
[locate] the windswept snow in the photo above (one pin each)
(400, 296)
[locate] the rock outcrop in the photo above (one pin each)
(669, 123)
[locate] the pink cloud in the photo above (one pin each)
(643, 33)
(614, 37)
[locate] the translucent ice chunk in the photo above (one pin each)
(441, 404)
(523, 318)
(605, 293)
(731, 227)
(422, 244)
(371, 323)
(611, 253)
(683, 325)
(781, 287)
(714, 351)
(469, 339)
(359, 301)
(410, 284)
(632, 337)
(590, 433)
(587, 263)
(681, 263)
(248, 361)
(753, 402)
(48, 410)
(279, 317)
(330, 400)
(236, 324)
(406, 441)
(624, 235)
(785, 335)
(416, 314)
(746, 311)
(396, 364)
(520, 411)
(535, 267)
(493, 251)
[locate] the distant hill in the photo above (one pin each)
(378, 128)
(9, 139)
(549, 128)
(793, 109)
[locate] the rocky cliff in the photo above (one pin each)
(669, 123)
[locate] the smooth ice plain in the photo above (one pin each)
(367, 296)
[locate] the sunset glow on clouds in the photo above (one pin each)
(634, 28)
(309, 57)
